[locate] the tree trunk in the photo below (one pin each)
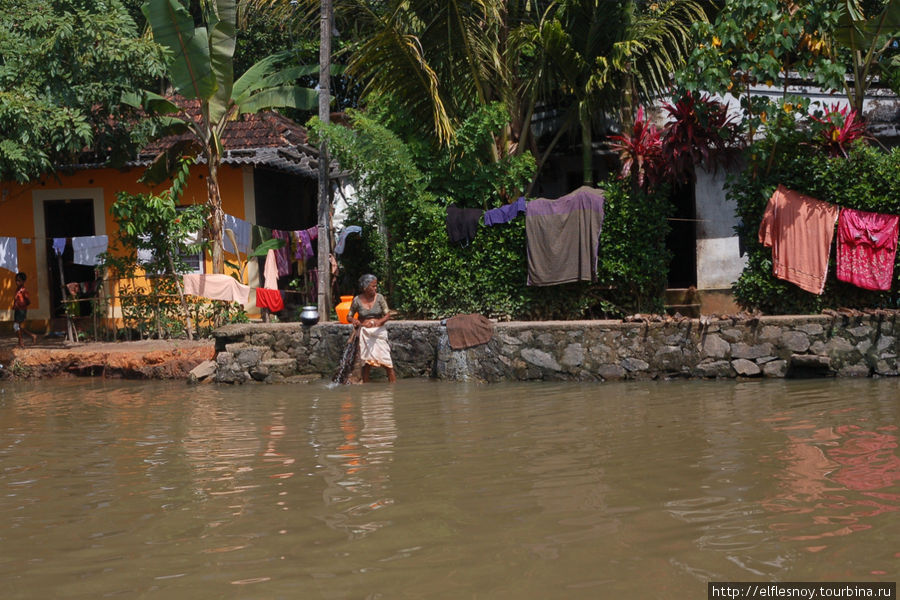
(587, 152)
(216, 217)
(324, 246)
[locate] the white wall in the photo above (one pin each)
(719, 263)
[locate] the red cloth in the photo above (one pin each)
(799, 229)
(270, 299)
(867, 245)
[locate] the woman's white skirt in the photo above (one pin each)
(374, 348)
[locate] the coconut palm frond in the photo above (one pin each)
(394, 61)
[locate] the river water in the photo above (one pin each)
(431, 489)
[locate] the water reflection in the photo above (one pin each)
(428, 489)
(356, 453)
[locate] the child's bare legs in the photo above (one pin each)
(21, 331)
(390, 375)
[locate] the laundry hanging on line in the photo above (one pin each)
(866, 248)
(9, 254)
(269, 299)
(799, 229)
(216, 287)
(563, 236)
(505, 213)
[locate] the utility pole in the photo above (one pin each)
(324, 241)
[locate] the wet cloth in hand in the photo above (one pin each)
(799, 229)
(562, 237)
(866, 248)
(465, 331)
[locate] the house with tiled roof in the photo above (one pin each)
(268, 176)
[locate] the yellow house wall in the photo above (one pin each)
(22, 217)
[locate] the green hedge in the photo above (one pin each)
(868, 179)
(427, 276)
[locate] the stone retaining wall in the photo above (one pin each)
(783, 346)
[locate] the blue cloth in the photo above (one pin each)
(87, 248)
(9, 254)
(504, 214)
(59, 245)
(241, 230)
(342, 238)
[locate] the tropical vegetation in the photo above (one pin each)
(462, 102)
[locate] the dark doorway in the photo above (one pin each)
(682, 238)
(65, 219)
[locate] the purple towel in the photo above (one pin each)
(504, 214)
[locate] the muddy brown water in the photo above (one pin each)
(431, 489)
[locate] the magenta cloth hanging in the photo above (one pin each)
(866, 248)
(282, 260)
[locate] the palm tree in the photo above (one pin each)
(201, 68)
(607, 57)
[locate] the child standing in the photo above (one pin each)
(20, 309)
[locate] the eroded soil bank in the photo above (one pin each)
(146, 359)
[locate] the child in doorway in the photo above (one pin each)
(20, 309)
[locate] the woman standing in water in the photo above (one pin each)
(369, 312)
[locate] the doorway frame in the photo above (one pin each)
(38, 198)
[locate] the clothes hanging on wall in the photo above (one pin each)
(88, 248)
(563, 236)
(799, 229)
(866, 248)
(462, 223)
(465, 331)
(504, 214)
(216, 287)
(59, 245)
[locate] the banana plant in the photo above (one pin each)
(867, 39)
(201, 68)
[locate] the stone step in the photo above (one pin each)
(685, 310)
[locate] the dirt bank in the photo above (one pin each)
(147, 359)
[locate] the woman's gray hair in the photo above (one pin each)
(366, 280)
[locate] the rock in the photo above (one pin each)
(746, 368)
(202, 371)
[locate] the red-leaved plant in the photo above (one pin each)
(838, 129)
(699, 132)
(640, 151)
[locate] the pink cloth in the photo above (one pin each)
(270, 271)
(216, 287)
(799, 229)
(866, 248)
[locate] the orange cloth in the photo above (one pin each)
(799, 229)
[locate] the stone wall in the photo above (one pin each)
(785, 346)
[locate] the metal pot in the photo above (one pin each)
(309, 315)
